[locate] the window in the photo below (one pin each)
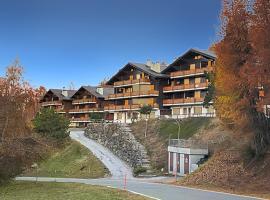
(198, 110)
(119, 116)
(176, 111)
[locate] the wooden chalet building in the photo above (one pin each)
(87, 100)
(58, 99)
(136, 85)
(187, 86)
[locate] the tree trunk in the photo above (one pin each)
(5, 128)
(146, 128)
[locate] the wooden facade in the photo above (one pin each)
(135, 85)
(187, 86)
(178, 90)
(58, 99)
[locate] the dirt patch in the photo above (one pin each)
(229, 168)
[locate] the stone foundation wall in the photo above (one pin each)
(119, 139)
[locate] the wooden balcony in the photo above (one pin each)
(85, 110)
(133, 94)
(184, 87)
(191, 100)
(131, 82)
(184, 73)
(51, 103)
(126, 107)
(60, 110)
(83, 101)
(82, 119)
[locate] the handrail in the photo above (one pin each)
(51, 103)
(191, 71)
(130, 82)
(185, 86)
(85, 109)
(194, 144)
(135, 93)
(87, 100)
(183, 100)
(126, 107)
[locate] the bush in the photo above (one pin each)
(139, 170)
(249, 153)
(96, 116)
(48, 123)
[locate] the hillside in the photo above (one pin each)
(160, 131)
(231, 166)
(71, 161)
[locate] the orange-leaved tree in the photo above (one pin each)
(232, 51)
(19, 103)
(242, 68)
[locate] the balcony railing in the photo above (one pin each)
(82, 119)
(194, 86)
(127, 107)
(192, 144)
(51, 103)
(134, 94)
(131, 82)
(60, 110)
(84, 110)
(182, 101)
(84, 101)
(190, 72)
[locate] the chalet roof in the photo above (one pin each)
(93, 91)
(205, 53)
(142, 67)
(58, 93)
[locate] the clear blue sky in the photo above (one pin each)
(84, 41)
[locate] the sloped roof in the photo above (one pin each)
(142, 67)
(93, 90)
(206, 53)
(58, 93)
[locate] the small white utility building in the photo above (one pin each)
(184, 156)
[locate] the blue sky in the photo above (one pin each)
(85, 41)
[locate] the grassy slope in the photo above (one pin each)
(72, 161)
(61, 191)
(188, 127)
(159, 132)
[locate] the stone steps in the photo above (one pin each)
(145, 161)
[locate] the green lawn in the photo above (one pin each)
(74, 161)
(61, 191)
(188, 127)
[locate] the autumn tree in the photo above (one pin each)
(257, 71)
(19, 103)
(232, 53)
(242, 67)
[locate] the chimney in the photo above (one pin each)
(157, 67)
(64, 92)
(100, 90)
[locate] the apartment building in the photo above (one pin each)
(177, 90)
(58, 99)
(86, 101)
(136, 85)
(187, 85)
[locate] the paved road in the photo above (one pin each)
(146, 187)
(117, 167)
(155, 190)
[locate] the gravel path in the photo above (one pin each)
(117, 167)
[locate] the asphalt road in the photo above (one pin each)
(152, 190)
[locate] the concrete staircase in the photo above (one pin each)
(144, 158)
